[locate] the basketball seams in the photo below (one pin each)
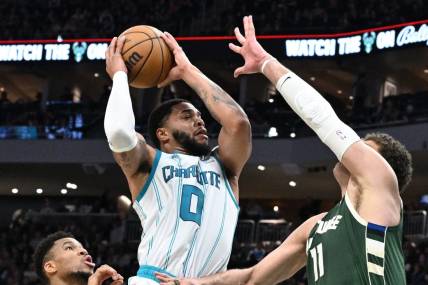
(144, 63)
(148, 38)
(162, 61)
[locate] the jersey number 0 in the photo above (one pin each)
(192, 204)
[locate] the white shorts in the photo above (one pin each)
(137, 280)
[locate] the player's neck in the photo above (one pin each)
(345, 187)
(172, 148)
(67, 281)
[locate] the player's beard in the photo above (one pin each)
(79, 277)
(190, 144)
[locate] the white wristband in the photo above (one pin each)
(265, 63)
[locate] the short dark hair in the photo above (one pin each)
(41, 254)
(396, 154)
(158, 117)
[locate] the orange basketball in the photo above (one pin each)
(146, 56)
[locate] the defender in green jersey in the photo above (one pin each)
(359, 240)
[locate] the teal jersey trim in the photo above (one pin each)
(155, 186)
(226, 181)
(148, 271)
(152, 173)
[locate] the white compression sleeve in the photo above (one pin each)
(317, 113)
(119, 121)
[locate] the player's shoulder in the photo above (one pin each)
(315, 219)
(310, 223)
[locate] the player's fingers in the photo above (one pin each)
(235, 48)
(164, 279)
(170, 41)
(239, 36)
(106, 271)
(165, 82)
(238, 71)
(119, 45)
(246, 30)
(166, 39)
(251, 28)
(119, 280)
(112, 47)
(106, 268)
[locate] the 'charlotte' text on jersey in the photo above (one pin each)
(202, 177)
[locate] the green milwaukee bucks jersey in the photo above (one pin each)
(344, 249)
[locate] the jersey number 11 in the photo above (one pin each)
(317, 258)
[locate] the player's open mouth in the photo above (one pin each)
(202, 132)
(88, 261)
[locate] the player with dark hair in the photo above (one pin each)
(184, 192)
(359, 240)
(61, 260)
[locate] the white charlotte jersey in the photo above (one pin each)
(188, 214)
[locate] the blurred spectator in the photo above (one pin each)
(256, 254)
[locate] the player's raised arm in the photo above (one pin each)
(235, 135)
(279, 265)
(129, 148)
(369, 169)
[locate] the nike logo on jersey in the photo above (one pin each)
(288, 77)
(325, 226)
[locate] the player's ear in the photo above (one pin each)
(162, 135)
(50, 267)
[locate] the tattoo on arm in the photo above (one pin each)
(216, 95)
(134, 161)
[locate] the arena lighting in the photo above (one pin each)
(292, 135)
(261, 167)
(124, 200)
(96, 74)
(15, 190)
(426, 70)
(39, 190)
(275, 208)
(71, 186)
(292, 183)
(64, 191)
(272, 132)
(312, 78)
(270, 100)
(339, 91)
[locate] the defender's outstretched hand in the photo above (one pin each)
(167, 280)
(181, 60)
(114, 60)
(252, 52)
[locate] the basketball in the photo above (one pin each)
(146, 55)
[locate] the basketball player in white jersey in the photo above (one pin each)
(184, 193)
